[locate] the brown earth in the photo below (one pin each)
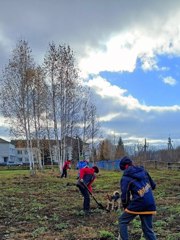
(50, 208)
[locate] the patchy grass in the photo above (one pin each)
(50, 208)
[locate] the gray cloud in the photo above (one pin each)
(76, 22)
(141, 121)
(4, 132)
(87, 23)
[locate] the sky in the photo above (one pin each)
(127, 51)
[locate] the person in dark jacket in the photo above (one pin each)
(86, 178)
(66, 166)
(137, 198)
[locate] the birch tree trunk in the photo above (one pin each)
(50, 66)
(16, 102)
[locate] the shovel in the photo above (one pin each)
(99, 204)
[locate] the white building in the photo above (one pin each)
(16, 152)
(55, 154)
(23, 157)
(7, 152)
(10, 155)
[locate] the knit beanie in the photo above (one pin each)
(125, 161)
(96, 169)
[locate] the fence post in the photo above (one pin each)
(169, 165)
(155, 164)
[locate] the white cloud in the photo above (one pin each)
(120, 97)
(3, 123)
(144, 42)
(108, 117)
(5, 41)
(124, 115)
(170, 81)
(109, 38)
(149, 64)
(104, 88)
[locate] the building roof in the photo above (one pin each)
(3, 141)
(21, 143)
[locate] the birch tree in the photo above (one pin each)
(48, 124)
(68, 88)
(39, 98)
(94, 129)
(63, 81)
(16, 101)
(85, 119)
(90, 123)
(50, 68)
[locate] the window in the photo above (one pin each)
(5, 159)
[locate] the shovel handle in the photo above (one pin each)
(99, 204)
(87, 188)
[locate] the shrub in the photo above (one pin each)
(105, 235)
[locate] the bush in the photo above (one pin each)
(105, 235)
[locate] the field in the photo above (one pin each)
(46, 207)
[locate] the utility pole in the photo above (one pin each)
(114, 145)
(145, 148)
(170, 146)
(145, 145)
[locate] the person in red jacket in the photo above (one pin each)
(86, 177)
(66, 166)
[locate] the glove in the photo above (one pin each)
(124, 205)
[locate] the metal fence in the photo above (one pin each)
(108, 164)
(114, 164)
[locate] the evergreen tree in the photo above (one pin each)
(120, 149)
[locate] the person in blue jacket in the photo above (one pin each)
(81, 164)
(137, 198)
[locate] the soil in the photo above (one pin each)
(47, 207)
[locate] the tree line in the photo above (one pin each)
(50, 102)
(47, 101)
(108, 150)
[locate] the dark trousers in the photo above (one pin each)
(86, 202)
(64, 173)
(146, 224)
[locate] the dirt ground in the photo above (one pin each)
(50, 208)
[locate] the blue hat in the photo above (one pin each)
(125, 161)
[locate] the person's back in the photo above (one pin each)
(137, 199)
(66, 166)
(140, 186)
(86, 178)
(82, 164)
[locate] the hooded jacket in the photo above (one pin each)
(82, 164)
(88, 176)
(136, 191)
(67, 165)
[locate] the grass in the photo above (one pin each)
(50, 208)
